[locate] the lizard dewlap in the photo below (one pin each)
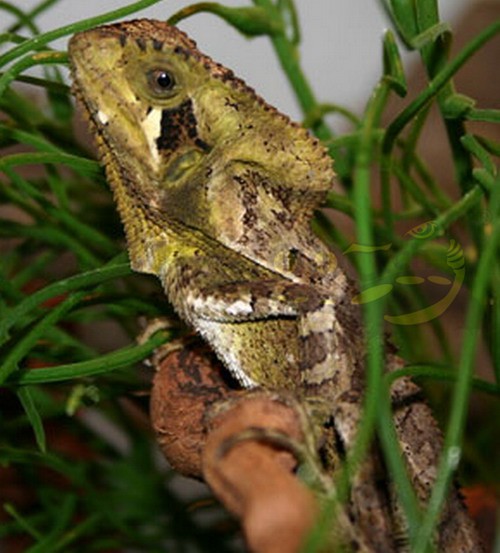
(216, 190)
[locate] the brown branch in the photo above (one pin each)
(208, 430)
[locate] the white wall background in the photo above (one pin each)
(341, 44)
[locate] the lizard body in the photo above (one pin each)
(216, 190)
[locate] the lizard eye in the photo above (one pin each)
(161, 81)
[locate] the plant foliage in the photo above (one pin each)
(64, 273)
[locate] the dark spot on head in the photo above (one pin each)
(227, 74)
(229, 103)
(180, 51)
(292, 257)
(157, 44)
(149, 110)
(123, 39)
(249, 218)
(141, 43)
(178, 127)
(202, 145)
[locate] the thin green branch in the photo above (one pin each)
(434, 372)
(40, 40)
(86, 167)
(24, 18)
(31, 15)
(289, 60)
(44, 83)
(486, 115)
(104, 364)
(21, 349)
(441, 80)
(410, 248)
(376, 394)
(452, 447)
(39, 58)
(113, 270)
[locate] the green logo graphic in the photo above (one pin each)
(454, 259)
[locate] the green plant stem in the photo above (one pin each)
(84, 280)
(39, 58)
(435, 56)
(22, 522)
(376, 393)
(66, 512)
(11, 37)
(28, 138)
(24, 19)
(26, 398)
(77, 531)
(86, 234)
(31, 15)
(436, 84)
(367, 269)
(82, 165)
(486, 115)
(83, 25)
(93, 367)
(314, 117)
(20, 350)
(452, 446)
(410, 248)
(289, 60)
(439, 373)
(494, 327)
(52, 235)
(44, 83)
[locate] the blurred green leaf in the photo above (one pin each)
(26, 398)
(393, 66)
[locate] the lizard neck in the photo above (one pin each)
(145, 234)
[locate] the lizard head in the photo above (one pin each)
(184, 141)
(159, 110)
(136, 80)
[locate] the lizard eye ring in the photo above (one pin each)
(161, 81)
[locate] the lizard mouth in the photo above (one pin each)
(89, 113)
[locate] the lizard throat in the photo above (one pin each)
(182, 165)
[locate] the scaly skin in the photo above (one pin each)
(216, 190)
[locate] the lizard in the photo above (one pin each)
(216, 190)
